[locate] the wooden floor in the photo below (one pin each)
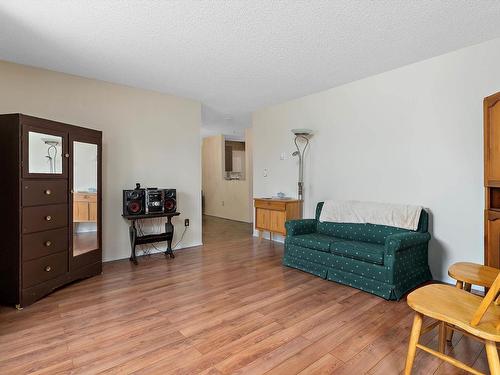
(84, 242)
(228, 307)
(216, 229)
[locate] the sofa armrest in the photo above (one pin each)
(401, 241)
(303, 226)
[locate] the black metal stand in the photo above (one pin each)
(167, 236)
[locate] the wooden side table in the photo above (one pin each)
(271, 214)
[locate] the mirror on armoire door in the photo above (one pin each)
(44, 153)
(85, 193)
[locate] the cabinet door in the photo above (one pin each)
(262, 217)
(492, 253)
(80, 211)
(85, 184)
(93, 211)
(277, 223)
(44, 151)
(492, 140)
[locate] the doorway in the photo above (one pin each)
(227, 203)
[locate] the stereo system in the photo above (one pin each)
(140, 201)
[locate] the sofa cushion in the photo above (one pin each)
(367, 252)
(314, 241)
(359, 232)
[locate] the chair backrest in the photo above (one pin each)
(488, 299)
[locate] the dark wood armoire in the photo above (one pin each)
(50, 195)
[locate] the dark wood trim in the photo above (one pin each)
(10, 220)
(27, 119)
(151, 216)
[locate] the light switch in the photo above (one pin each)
(282, 156)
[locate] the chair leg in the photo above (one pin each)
(449, 335)
(467, 287)
(492, 354)
(449, 331)
(443, 332)
(412, 346)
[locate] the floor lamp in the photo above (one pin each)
(301, 137)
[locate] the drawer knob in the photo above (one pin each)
(48, 218)
(66, 155)
(48, 192)
(48, 243)
(48, 268)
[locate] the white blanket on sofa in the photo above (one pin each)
(394, 215)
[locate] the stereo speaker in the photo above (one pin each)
(170, 200)
(134, 202)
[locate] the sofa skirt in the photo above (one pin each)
(382, 289)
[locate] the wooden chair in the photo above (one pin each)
(467, 274)
(459, 310)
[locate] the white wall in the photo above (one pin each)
(412, 135)
(148, 137)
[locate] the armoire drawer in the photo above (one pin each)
(40, 218)
(42, 192)
(40, 270)
(37, 245)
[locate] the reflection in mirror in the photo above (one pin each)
(85, 236)
(45, 153)
(234, 160)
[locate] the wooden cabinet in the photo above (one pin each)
(42, 162)
(262, 218)
(84, 207)
(492, 239)
(492, 180)
(492, 140)
(277, 221)
(271, 214)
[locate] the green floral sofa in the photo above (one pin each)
(382, 260)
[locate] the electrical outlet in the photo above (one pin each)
(222, 203)
(186, 222)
